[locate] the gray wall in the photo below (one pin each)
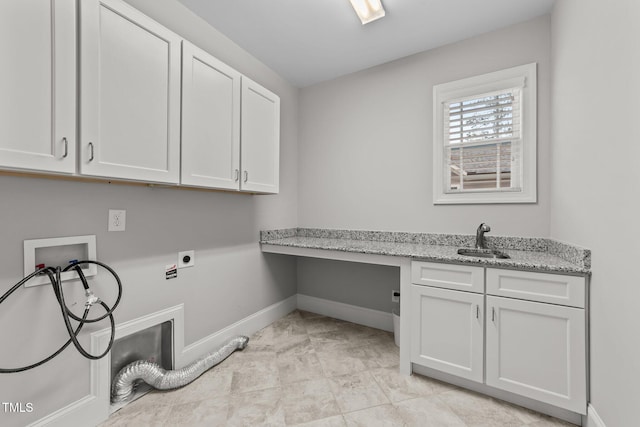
(595, 176)
(365, 153)
(231, 280)
(363, 285)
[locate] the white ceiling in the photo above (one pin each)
(309, 41)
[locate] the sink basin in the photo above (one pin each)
(482, 253)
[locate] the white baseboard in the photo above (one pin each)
(593, 419)
(94, 408)
(351, 313)
(247, 326)
(80, 409)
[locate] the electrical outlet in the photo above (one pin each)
(395, 296)
(117, 220)
(186, 259)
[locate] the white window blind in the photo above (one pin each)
(483, 142)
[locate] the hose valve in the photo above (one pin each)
(91, 298)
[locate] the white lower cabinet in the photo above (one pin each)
(447, 332)
(537, 350)
(522, 343)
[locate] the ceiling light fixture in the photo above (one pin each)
(368, 10)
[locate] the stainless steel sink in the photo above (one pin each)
(482, 253)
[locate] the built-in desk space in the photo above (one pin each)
(530, 254)
(479, 323)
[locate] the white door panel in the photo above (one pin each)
(37, 85)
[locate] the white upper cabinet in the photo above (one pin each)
(210, 121)
(140, 118)
(37, 85)
(129, 94)
(260, 148)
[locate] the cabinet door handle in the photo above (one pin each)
(493, 314)
(91, 147)
(237, 175)
(477, 311)
(66, 147)
(246, 176)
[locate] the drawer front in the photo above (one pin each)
(448, 276)
(541, 287)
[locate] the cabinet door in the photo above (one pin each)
(537, 350)
(130, 94)
(447, 331)
(260, 148)
(37, 85)
(210, 121)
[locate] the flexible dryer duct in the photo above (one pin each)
(151, 373)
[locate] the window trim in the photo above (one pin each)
(525, 76)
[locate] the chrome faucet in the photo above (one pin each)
(480, 243)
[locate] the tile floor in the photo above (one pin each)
(310, 370)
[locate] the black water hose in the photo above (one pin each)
(56, 284)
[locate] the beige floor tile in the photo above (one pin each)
(258, 408)
(275, 337)
(310, 370)
(299, 367)
(380, 355)
(308, 401)
(533, 418)
(329, 341)
(477, 410)
(398, 387)
(299, 346)
(337, 421)
(349, 335)
(308, 314)
(427, 412)
(365, 334)
(289, 335)
(341, 361)
(379, 416)
(256, 373)
(205, 413)
(316, 325)
(295, 315)
(240, 358)
(357, 391)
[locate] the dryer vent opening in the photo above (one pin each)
(154, 344)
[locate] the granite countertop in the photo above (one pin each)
(532, 254)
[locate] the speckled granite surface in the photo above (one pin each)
(536, 254)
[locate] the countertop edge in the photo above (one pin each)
(429, 252)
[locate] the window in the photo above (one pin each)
(484, 142)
